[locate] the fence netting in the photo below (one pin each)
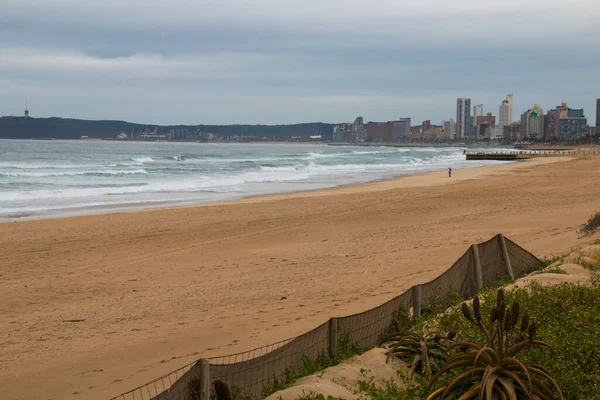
(491, 257)
(172, 386)
(254, 373)
(367, 328)
(251, 374)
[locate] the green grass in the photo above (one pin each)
(554, 270)
(597, 242)
(569, 320)
(307, 368)
(438, 305)
(415, 388)
(589, 266)
(546, 262)
(314, 396)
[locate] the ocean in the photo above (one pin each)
(60, 178)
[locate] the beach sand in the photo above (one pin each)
(96, 305)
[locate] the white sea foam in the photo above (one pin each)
(108, 174)
(72, 173)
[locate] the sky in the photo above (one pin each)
(280, 62)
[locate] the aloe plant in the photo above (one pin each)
(424, 351)
(493, 371)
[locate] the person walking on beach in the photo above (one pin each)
(449, 172)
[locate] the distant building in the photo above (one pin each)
(592, 131)
(550, 124)
(387, 132)
(401, 129)
(597, 114)
(533, 122)
(463, 118)
(488, 119)
(497, 132)
(183, 134)
(378, 132)
(562, 111)
(575, 113)
(426, 126)
(343, 133)
(449, 129)
(505, 115)
(477, 112)
(512, 132)
(349, 132)
(572, 128)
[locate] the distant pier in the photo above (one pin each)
(514, 155)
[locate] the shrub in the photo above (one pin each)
(493, 370)
(221, 390)
(591, 226)
(438, 305)
(569, 320)
(424, 351)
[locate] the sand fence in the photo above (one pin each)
(252, 373)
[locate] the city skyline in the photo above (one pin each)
(272, 62)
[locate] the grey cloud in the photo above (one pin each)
(272, 61)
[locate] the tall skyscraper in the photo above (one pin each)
(597, 115)
(534, 123)
(463, 117)
(477, 112)
(449, 128)
(505, 114)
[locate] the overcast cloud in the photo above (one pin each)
(269, 61)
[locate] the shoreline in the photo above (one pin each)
(72, 212)
(156, 289)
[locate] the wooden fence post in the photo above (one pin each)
(333, 340)
(204, 379)
(477, 265)
(416, 301)
(509, 269)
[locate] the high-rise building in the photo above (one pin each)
(463, 118)
(487, 119)
(505, 115)
(573, 124)
(534, 123)
(358, 128)
(449, 128)
(477, 112)
(387, 132)
(513, 131)
(550, 124)
(522, 126)
(575, 113)
(401, 129)
(572, 128)
(426, 126)
(597, 114)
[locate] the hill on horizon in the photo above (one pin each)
(69, 128)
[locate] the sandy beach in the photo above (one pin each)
(93, 306)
